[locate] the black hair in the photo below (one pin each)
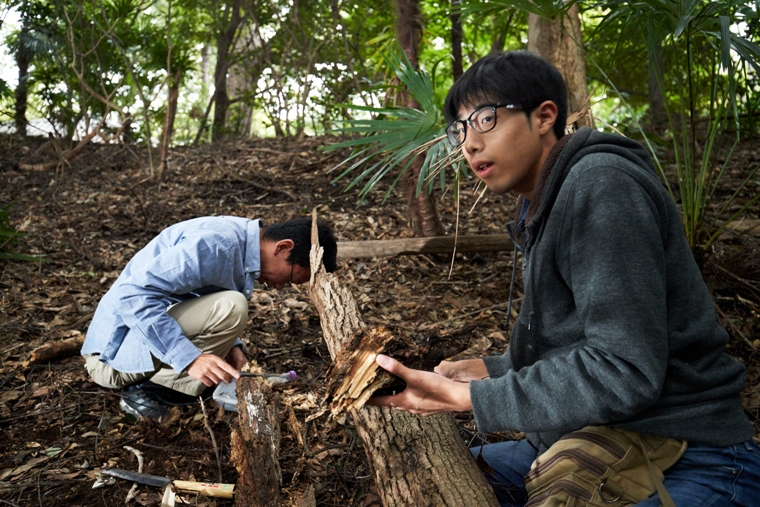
(299, 230)
(514, 77)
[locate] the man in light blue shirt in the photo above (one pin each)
(170, 325)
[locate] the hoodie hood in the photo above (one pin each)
(562, 157)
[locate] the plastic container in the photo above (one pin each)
(225, 394)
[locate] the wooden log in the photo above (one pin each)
(355, 376)
(434, 245)
(51, 351)
(256, 444)
(416, 461)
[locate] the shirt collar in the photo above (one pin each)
(253, 248)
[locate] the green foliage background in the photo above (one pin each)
(316, 67)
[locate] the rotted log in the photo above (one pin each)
(415, 460)
(256, 443)
(354, 376)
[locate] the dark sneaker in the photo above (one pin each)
(140, 403)
(174, 398)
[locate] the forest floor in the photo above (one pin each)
(91, 216)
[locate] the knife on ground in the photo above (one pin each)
(203, 488)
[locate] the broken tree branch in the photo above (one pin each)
(415, 460)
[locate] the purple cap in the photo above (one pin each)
(292, 376)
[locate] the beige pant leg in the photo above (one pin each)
(106, 376)
(212, 322)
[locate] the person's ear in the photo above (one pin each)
(546, 115)
(283, 247)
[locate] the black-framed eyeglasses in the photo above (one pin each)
(481, 120)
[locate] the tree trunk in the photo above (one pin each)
(225, 39)
(416, 460)
(456, 40)
(22, 89)
(560, 42)
(658, 116)
(422, 210)
(171, 113)
(241, 84)
(255, 444)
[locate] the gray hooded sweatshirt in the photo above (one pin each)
(616, 326)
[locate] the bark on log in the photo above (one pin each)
(355, 376)
(433, 245)
(416, 461)
(55, 350)
(255, 444)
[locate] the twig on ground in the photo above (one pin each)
(97, 435)
(172, 449)
(213, 439)
(133, 490)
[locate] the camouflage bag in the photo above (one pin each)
(602, 467)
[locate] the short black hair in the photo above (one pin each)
(299, 230)
(518, 77)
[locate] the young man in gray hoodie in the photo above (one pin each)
(617, 327)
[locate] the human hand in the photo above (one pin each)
(426, 393)
(236, 358)
(211, 370)
(463, 371)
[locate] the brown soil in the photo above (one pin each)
(90, 217)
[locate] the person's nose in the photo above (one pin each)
(473, 143)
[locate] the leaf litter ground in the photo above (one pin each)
(90, 217)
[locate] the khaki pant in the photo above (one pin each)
(212, 322)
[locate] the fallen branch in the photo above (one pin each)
(433, 245)
(52, 351)
(133, 490)
(66, 156)
(213, 438)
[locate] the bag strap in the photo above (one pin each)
(665, 498)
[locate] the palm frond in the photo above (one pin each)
(393, 137)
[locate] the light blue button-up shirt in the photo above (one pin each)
(186, 260)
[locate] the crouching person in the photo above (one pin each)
(170, 326)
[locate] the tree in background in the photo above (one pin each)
(115, 69)
(228, 15)
(554, 32)
(35, 39)
(422, 208)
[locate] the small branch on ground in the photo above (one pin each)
(133, 490)
(213, 438)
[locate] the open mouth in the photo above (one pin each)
(481, 168)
